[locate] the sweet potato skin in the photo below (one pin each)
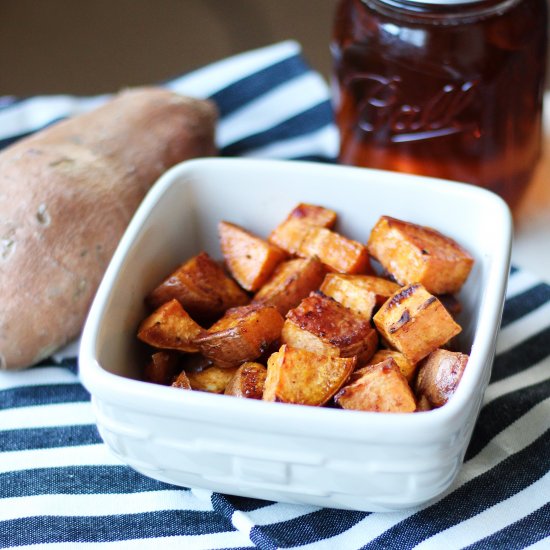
(83, 180)
(242, 334)
(438, 377)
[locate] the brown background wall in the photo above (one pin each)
(93, 46)
(87, 47)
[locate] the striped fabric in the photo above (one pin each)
(60, 485)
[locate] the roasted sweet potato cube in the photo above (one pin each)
(351, 292)
(415, 322)
(292, 281)
(241, 335)
(362, 293)
(289, 235)
(211, 379)
(336, 251)
(439, 375)
(382, 288)
(407, 368)
(314, 215)
(250, 259)
(181, 381)
(162, 367)
(303, 377)
(321, 325)
(418, 254)
(170, 327)
(379, 388)
(202, 287)
(248, 381)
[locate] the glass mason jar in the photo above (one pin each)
(450, 89)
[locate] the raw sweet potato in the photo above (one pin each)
(66, 196)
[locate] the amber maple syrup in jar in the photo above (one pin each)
(451, 89)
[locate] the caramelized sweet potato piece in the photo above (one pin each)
(292, 281)
(181, 381)
(380, 388)
(170, 327)
(351, 292)
(242, 334)
(202, 287)
(290, 234)
(321, 325)
(362, 293)
(248, 381)
(303, 377)
(418, 254)
(415, 322)
(314, 215)
(250, 259)
(162, 367)
(407, 368)
(438, 377)
(336, 251)
(382, 288)
(211, 379)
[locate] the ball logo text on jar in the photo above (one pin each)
(383, 106)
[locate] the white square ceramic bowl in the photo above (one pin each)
(327, 457)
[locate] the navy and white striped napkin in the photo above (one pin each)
(59, 484)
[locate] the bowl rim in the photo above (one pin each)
(143, 396)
